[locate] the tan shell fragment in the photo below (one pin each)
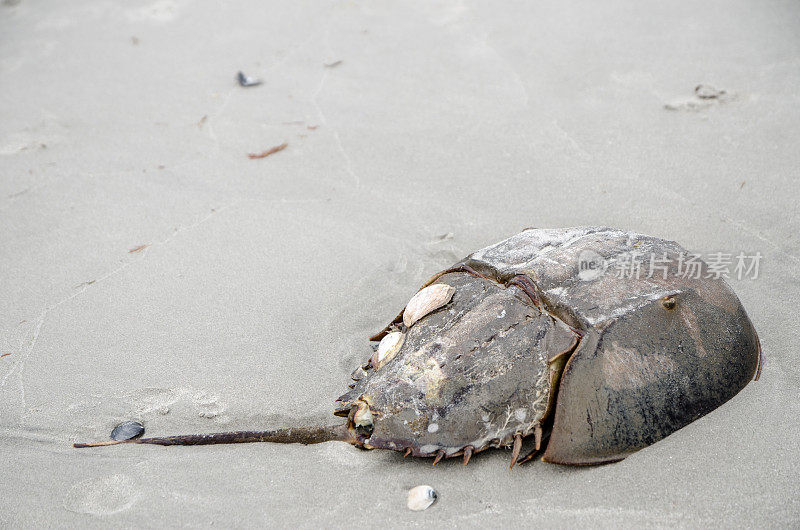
(363, 416)
(420, 498)
(387, 349)
(426, 301)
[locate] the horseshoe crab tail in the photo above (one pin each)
(291, 435)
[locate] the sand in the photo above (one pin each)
(152, 271)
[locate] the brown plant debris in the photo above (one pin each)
(270, 151)
(138, 249)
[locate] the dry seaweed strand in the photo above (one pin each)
(270, 151)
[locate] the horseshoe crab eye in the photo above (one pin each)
(668, 302)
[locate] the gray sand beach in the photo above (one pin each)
(151, 270)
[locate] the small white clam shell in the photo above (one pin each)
(420, 498)
(387, 349)
(363, 416)
(427, 300)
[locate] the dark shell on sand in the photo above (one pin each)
(127, 430)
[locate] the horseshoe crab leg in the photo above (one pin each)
(291, 435)
(540, 437)
(517, 449)
(467, 454)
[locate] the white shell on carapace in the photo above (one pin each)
(426, 301)
(387, 349)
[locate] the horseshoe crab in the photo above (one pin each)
(523, 340)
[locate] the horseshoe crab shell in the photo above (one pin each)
(606, 364)
(519, 340)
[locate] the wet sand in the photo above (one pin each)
(153, 271)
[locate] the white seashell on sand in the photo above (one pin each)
(426, 301)
(420, 498)
(387, 349)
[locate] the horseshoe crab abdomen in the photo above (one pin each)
(662, 346)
